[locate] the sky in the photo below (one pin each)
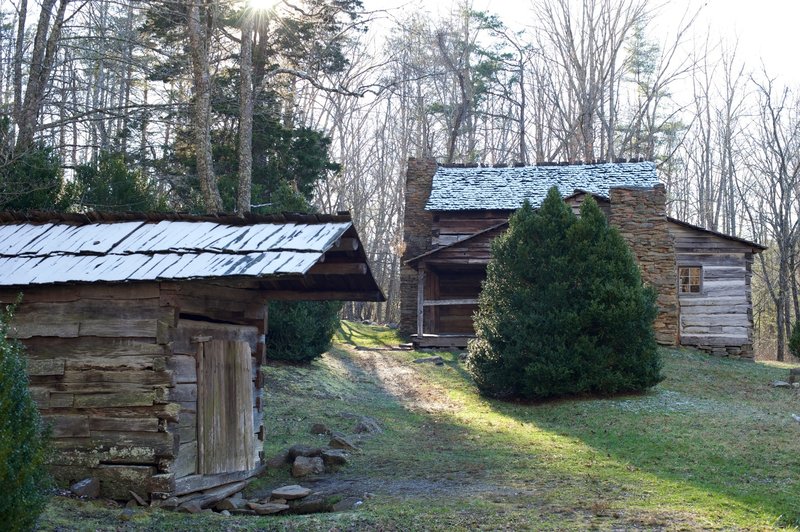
(766, 30)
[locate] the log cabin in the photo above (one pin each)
(452, 214)
(145, 335)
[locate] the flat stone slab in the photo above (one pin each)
(267, 507)
(291, 492)
(334, 457)
(88, 488)
(781, 384)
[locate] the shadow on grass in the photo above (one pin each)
(721, 441)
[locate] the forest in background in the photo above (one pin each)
(290, 105)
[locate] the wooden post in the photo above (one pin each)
(420, 301)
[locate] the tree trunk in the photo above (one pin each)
(201, 106)
(243, 198)
(42, 59)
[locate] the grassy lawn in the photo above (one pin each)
(713, 447)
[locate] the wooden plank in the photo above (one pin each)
(440, 302)
(126, 364)
(123, 424)
(687, 300)
(143, 377)
(54, 366)
(181, 335)
(421, 301)
(115, 447)
(89, 347)
(194, 483)
(186, 461)
(119, 328)
(184, 367)
(225, 408)
(213, 496)
(187, 427)
(183, 392)
(201, 407)
(68, 425)
(740, 320)
(141, 398)
(714, 340)
(339, 268)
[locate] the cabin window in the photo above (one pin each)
(691, 279)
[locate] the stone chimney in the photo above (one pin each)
(417, 238)
(640, 215)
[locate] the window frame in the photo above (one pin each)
(699, 268)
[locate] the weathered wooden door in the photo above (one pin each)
(224, 408)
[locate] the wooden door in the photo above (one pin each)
(225, 436)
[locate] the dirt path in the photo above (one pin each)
(400, 380)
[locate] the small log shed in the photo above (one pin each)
(145, 334)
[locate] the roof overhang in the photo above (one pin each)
(290, 256)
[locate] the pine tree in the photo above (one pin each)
(563, 310)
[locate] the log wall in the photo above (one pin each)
(112, 369)
(719, 319)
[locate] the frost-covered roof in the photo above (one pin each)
(487, 188)
(70, 249)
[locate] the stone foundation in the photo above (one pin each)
(640, 215)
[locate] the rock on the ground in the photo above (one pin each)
(305, 465)
(139, 500)
(347, 503)
(319, 428)
(279, 460)
(781, 384)
(796, 417)
(303, 450)
(267, 508)
(334, 457)
(190, 507)
(88, 488)
(290, 492)
(132, 504)
(229, 503)
(368, 425)
(434, 359)
(311, 505)
(276, 501)
(226, 513)
(126, 515)
(339, 441)
(169, 503)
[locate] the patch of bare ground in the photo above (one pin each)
(400, 380)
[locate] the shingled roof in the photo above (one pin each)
(53, 248)
(485, 188)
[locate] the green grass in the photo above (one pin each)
(713, 446)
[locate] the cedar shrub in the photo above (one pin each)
(794, 339)
(563, 310)
(23, 441)
(300, 331)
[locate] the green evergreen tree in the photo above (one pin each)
(300, 331)
(794, 339)
(563, 310)
(108, 184)
(23, 441)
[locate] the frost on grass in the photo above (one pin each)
(669, 401)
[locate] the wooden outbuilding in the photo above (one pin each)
(145, 335)
(453, 213)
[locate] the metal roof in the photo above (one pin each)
(61, 251)
(484, 188)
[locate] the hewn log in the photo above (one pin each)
(195, 483)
